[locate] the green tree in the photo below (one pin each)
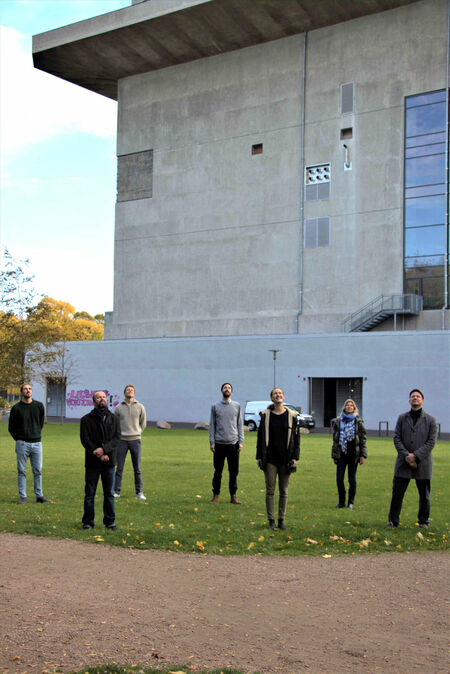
(22, 351)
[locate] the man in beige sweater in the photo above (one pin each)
(133, 421)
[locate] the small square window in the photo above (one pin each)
(257, 149)
(346, 134)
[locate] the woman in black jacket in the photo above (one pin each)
(277, 452)
(349, 449)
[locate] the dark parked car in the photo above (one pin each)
(305, 420)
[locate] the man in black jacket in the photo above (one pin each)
(100, 435)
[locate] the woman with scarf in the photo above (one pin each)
(349, 449)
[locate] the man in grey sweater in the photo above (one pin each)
(133, 421)
(226, 437)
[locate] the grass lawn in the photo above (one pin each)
(177, 472)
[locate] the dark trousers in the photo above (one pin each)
(346, 461)
(91, 481)
(399, 487)
(134, 446)
(231, 454)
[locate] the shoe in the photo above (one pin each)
(42, 499)
(338, 505)
(87, 526)
(350, 506)
(141, 496)
(272, 524)
(112, 527)
(215, 498)
(281, 524)
(116, 494)
(22, 500)
(423, 526)
(390, 525)
(233, 499)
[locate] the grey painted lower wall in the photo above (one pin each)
(178, 379)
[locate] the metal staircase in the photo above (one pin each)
(379, 309)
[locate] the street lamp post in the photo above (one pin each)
(274, 351)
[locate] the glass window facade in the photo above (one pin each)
(426, 237)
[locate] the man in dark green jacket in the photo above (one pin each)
(26, 421)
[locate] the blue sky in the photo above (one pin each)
(58, 161)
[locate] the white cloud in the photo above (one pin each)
(36, 106)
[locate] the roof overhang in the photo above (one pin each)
(98, 52)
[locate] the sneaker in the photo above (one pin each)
(116, 494)
(22, 500)
(87, 526)
(350, 506)
(112, 527)
(141, 496)
(42, 499)
(390, 525)
(423, 526)
(338, 505)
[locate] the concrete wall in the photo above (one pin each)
(387, 56)
(178, 379)
(218, 249)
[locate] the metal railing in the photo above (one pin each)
(387, 305)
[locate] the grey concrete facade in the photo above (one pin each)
(222, 108)
(179, 379)
(216, 246)
(219, 247)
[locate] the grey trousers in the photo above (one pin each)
(271, 472)
(135, 450)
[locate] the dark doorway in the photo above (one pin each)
(329, 400)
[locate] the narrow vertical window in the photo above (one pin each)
(425, 227)
(346, 98)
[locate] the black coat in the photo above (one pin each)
(293, 439)
(96, 433)
(360, 440)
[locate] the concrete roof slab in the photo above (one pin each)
(98, 52)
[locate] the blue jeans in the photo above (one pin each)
(344, 462)
(91, 476)
(33, 451)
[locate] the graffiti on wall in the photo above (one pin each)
(83, 398)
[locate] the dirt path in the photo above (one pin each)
(69, 605)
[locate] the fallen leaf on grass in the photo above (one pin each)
(419, 535)
(200, 545)
(99, 538)
(250, 546)
(387, 542)
(326, 556)
(365, 543)
(260, 539)
(311, 541)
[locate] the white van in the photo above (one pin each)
(254, 407)
(251, 413)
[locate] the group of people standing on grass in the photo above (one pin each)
(278, 451)
(107, 438)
